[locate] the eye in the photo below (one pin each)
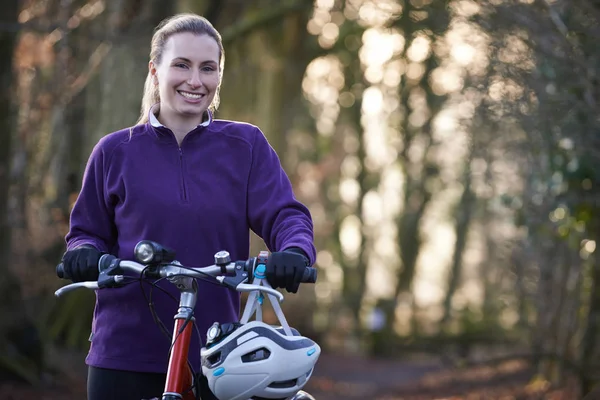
(208, 69)
(180, 65)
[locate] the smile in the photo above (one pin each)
(194, 96)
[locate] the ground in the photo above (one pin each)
(342, 377)
(345, 377)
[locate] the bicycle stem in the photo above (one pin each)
(188, 288)
(178, 376)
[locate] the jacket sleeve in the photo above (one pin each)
(92, 217)
(273, 211)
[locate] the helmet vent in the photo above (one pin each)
(283, 384)
(214, 358)
(256, 355)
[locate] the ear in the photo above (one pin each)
(152, 70)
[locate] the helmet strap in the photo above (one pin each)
(255, 302)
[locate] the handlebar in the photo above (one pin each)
(231, 274)
(310, 273)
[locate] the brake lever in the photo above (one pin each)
(88, 285)
(73, 286)
(246, 287)
(240, 275)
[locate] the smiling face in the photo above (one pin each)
(188, 78)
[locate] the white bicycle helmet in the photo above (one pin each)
(257, 361)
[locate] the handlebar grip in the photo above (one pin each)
(310, 275)
(61, 273)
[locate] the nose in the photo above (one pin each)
(194, 79)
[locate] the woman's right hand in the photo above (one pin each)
(81, 264)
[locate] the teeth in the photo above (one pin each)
(190, 95)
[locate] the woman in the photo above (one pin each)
(189, 182)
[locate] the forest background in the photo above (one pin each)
(447, 150)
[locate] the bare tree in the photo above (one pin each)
(463, 216)
(421, 173)
(20, 350)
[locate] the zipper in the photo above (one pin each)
(182, 170)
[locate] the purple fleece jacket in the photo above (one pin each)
(197, 198)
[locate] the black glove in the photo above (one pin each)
(81, 264)
(286, 268)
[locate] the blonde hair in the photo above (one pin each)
(179, 23)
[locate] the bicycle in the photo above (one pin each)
(225, 342)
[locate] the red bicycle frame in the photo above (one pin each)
(178, 385)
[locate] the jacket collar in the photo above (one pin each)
(206, 120)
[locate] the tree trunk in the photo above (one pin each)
(464, 213)
(7, 124)
(589, 348)
(418, 173)
(21, 354)
(117, 92)
(355, 274)
(267, 52)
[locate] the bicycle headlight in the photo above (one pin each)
(149, 252)
(144, 252)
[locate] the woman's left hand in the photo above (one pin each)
(285, 269)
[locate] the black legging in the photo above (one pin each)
(105, 384)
